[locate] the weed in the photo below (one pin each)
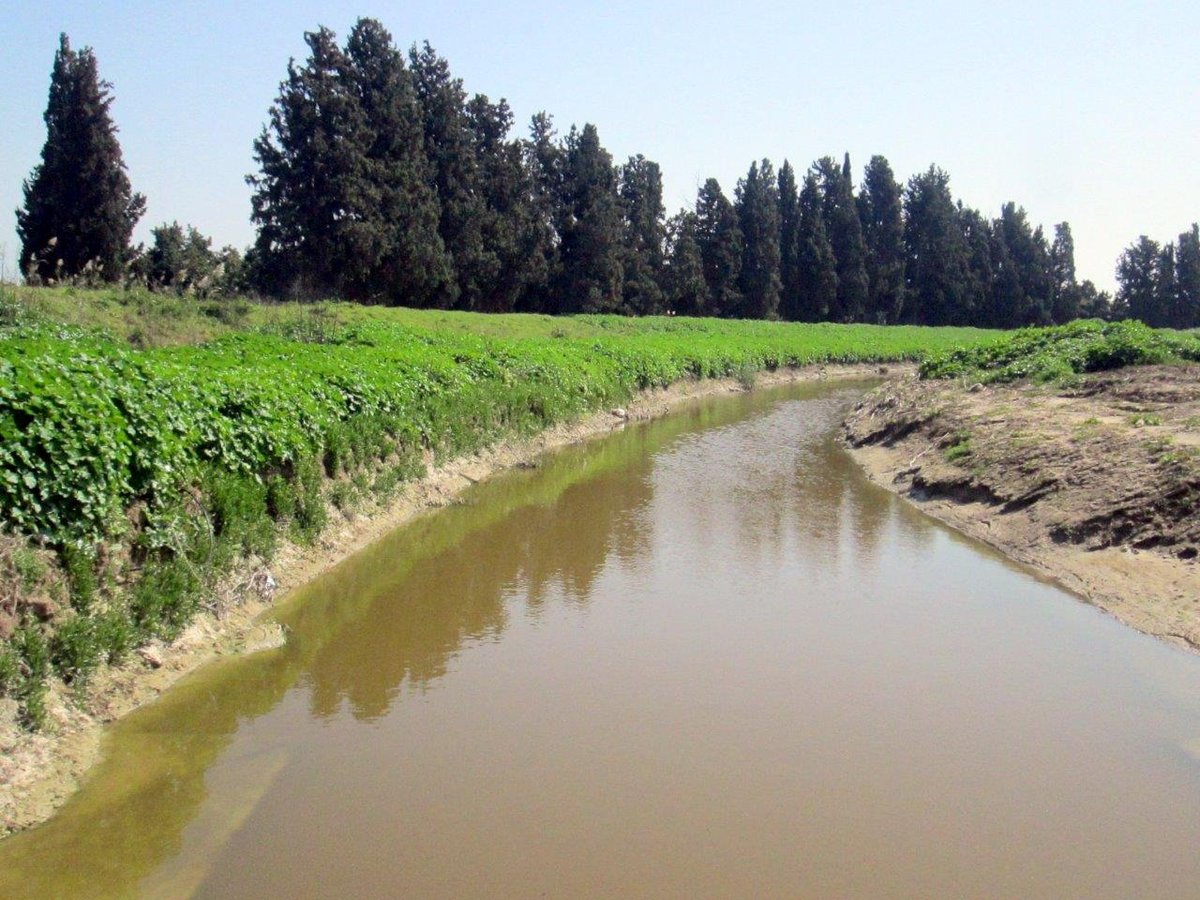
(10, 669)
(959, 448)
(74, 650)
(1144, 419)
(29, 569)
(79, 565)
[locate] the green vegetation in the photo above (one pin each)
(1143, 420)
(152, 467)
(959, 448)
(1049, 354)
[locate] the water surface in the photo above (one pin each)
(703, 657)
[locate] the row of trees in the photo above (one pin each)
(1161, 284)
(380, 180)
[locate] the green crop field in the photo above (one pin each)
(147, 442)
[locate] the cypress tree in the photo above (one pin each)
(845, 236)
(513, 261)
(642, 243)
(79, 209)
(979, 283)
(545, 162)
(789, 227)
(935, 253)
(1187, 279)
(685, 288)
(1031, 261)
(881, 211)
(1165, 288)
(1065, 288)
(758, 217)
(405, 259)
(815, 292)
(314, 168)
(449, 146)
(591, 273)
(719, 237)
(1137, 271)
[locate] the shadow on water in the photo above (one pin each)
(376, 626)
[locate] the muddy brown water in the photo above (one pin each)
(702, 657)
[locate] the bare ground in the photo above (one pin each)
(1096, 485)
(38, 772)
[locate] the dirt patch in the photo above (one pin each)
(1096, 484)
(38, 772)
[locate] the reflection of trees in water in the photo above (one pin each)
(416, 623)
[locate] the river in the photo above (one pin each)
(701, 657)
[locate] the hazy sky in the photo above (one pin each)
(1088, 112)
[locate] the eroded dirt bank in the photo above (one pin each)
(1096, 485)
(39, 771)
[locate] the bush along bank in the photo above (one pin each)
(1053, 354)
(130, 481)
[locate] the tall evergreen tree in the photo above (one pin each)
(545, 162)
(846, 238)
(1065, 288)
(405, 259)
(979, 294)
(758, 217)
(719, 237)
(1008, 304)
(881, 210)
(815, 291)
(1137, 271)
(314, 180)
(591, 277)
(685, 289)
(450, 148)
(642, 244)
(1030, 258)
(935, 253)
(513, 254)
(1187, 279)
(79, 208)
(1166, 288)
(789, 228)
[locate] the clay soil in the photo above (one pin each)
(1095, 484)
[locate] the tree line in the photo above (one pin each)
(381, 180)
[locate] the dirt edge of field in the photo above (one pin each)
(1095, 485)
(40, 771)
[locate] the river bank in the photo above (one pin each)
(39, 771)
(1095, 485)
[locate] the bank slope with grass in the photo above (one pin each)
(1075, 450)
(132, 478)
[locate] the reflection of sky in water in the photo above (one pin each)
(703, 656)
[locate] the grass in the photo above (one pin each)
(148, 443)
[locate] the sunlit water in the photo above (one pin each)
(703, 657)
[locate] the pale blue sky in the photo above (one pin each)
(1088, 112)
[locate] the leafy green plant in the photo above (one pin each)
(959, 448)
(1050, 354)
